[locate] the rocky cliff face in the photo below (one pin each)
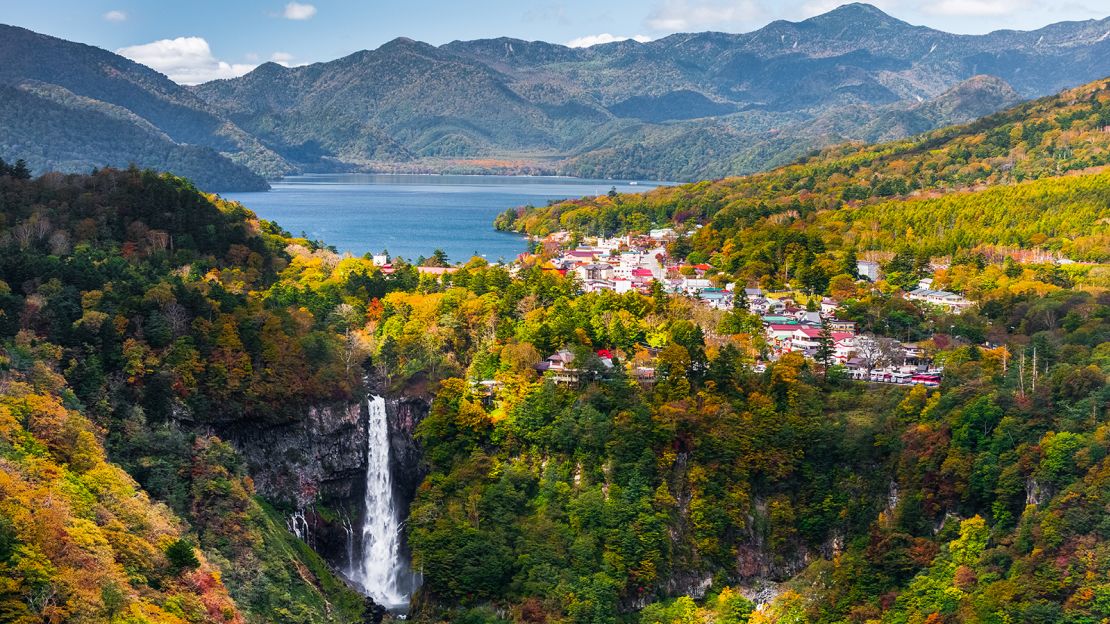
(320, 458)
(315, 467)
(407, 458)
(759, 568)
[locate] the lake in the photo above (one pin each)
(413, 215)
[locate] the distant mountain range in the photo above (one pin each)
(684, 107)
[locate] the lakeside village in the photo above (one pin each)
(809, 327)
(792, 321)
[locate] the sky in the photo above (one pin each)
(202, 40)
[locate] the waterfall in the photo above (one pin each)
(381, 569)
(349, 535)
(298, 525)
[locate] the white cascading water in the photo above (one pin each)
(381, 569)
(349, 532)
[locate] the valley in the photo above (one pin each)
(855, 371)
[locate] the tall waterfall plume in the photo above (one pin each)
(381, 568)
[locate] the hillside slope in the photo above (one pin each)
(1039, 139)
(687, 106)
(55, 130)
(82, 86)
(120, 316)
(79, 540)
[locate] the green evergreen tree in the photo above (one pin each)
(182, 555)
(21, 171)
(850, 265)
(825, 350)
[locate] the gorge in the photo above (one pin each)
(344, 475)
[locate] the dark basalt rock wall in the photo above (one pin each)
(315, 467)
(406, 456)
(317, 459)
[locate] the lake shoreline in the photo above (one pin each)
(412, 215)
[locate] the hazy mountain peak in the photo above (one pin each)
(858, 9)
(514, 52)
(401, 43)
(270, 68)
(855, 14)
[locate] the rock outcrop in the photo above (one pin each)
(315, 467)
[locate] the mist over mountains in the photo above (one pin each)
(684, 107)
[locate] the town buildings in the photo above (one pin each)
(638, 263)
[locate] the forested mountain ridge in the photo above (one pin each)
(417, 95)
(712, 151)
(687, 106)
(71, 107)
(811, 56)
(913, 177)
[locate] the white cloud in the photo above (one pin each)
(684, 15)
(975, 8)
(115, 16)
(298, 11)
(186, 60)
(592, 40)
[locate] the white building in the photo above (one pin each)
(868, 269)
(622, 286)
(941, 298)
(612, 243)
(598, 285)
(693, 285)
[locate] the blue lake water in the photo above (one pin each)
(413, 215)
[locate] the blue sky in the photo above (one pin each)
(204, 39)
